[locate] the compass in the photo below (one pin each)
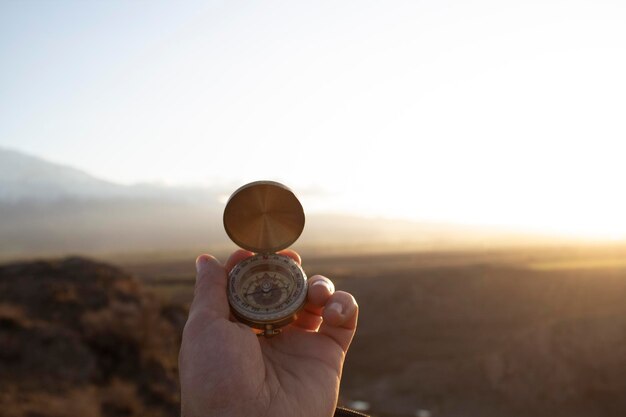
(267, 290)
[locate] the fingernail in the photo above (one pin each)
(321, 282)
(201, 261)
(336, 307)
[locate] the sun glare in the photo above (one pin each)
(474, 113)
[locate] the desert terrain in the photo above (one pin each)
(523, 332)
(535, 331)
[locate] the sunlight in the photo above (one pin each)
(471, 114)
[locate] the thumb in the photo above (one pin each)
(209, 299)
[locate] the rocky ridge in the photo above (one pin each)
(78, 337)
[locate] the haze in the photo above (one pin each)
(484, 113)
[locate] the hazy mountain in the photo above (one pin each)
(48, 208)
(25, 177)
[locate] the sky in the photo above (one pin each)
(500, 113)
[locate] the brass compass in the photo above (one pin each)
(267, 290)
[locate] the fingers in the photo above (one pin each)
(331, 313)
(319, 291)
(237, 256)
(209, 299)
(308, 321)
(340, 318)
(335, 314)
(292, 254)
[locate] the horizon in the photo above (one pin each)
(505, 236)
(486, 114)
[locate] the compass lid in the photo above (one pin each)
(263, 217)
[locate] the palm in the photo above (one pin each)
(232, 372)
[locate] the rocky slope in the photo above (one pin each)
(81, 338)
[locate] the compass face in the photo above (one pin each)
(267, 289)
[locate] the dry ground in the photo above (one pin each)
(537, 331)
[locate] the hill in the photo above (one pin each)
(25, 177)
(79, 337)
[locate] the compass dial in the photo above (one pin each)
(267, 289)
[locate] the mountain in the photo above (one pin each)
(26, 177)
(47, 208)
(52, 209)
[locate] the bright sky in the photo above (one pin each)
(479, 112)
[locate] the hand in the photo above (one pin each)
(226, 370)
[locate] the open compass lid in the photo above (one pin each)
(263, 217)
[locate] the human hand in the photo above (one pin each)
(226, 370)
